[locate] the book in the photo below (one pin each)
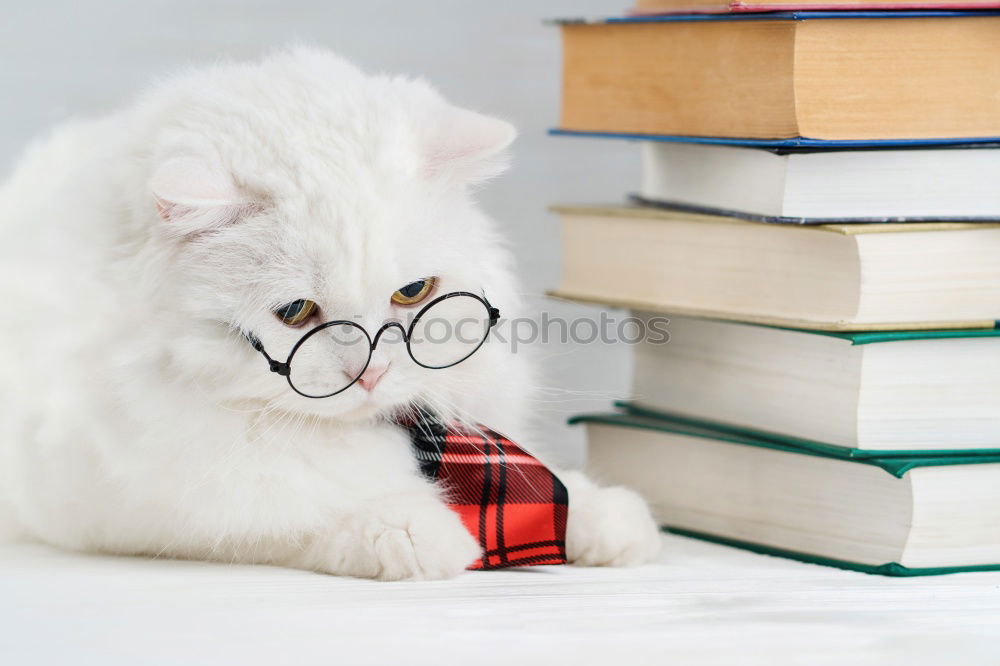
(645, 7)
(892, 515)
(812, 187)
(868, 394)
(821, 75)
(790, 143)
(829, 277)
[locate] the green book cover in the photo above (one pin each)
(872, 337)
(888, 569)
(897, 465)
(833, 450)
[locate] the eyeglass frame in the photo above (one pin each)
(284, 368)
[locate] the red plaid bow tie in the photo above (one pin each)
(505, 497)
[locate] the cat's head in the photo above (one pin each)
(297, 191)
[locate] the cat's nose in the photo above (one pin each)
(369, 378)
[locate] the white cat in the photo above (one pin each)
(139, 251)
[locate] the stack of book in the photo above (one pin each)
(819, 216)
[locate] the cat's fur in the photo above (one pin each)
(135, 251)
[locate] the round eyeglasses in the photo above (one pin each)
(332, 356)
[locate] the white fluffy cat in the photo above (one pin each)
(139, 249)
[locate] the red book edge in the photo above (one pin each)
(741, 8)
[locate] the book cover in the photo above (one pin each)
(660, 7)
(896, 466)
(797, 143)
(640, 200)
(686, 264)
(892, 569)
(803, 78)
(896, 463)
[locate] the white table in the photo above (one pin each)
(701, 604)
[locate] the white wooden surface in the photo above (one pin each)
(701, 604)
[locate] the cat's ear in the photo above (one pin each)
(191, 195)
(466, 146)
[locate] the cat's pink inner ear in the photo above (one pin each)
(185, 186)
(467, 144)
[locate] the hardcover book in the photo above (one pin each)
(845, 76)
(815, 187)
(869, 394)
(899, 516)
(828, 277)
(645, 7)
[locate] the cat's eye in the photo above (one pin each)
(414, 292)
(296, 312)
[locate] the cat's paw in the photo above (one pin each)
(608, 526)
(398, 539)
(425, 544)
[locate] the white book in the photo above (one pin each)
(896, 516)
(831, 276)
(890, 392)
(815, 187)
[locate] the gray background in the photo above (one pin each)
(60, 58)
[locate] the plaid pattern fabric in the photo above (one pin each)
(505, 497)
